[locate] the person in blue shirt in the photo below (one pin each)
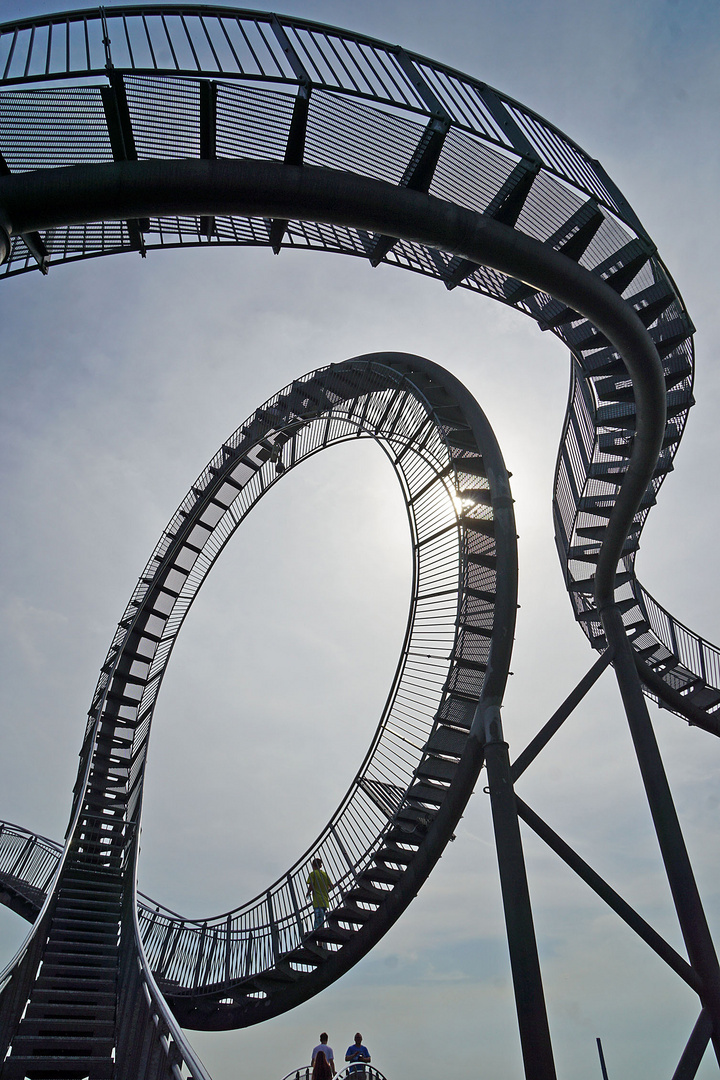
(359, 1054)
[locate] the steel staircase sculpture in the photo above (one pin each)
(525, 173)
(368, 150)
(261, 959)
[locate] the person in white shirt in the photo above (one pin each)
(327, 1050)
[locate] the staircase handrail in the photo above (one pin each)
(304, 1072)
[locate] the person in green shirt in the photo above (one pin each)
(319, 886)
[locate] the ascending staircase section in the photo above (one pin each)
(78, 1000)
(68, 1028)
(404, 803)
(59, 1000)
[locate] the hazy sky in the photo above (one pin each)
(120, 379)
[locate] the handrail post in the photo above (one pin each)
(228, 931)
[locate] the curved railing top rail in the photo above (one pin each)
(208, 41)
(366, 1072)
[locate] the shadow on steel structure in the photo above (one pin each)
(150, 140)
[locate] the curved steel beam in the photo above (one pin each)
(48, 198)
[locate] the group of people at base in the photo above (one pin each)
(323, 1058)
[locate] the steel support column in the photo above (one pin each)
(694, 1052)
(686, 897)
(522, 945)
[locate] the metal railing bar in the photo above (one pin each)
(210, 42)
(269, 47)
(169, 41)
(190, 41)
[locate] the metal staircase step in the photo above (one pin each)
(462, 439)
(393, 854)
(592, 532)
(478, 525)
(58, 1068)
(636, 629)
(591, 552)
(428, 794)
(89, 891)
(447, 740)
(67, 1045)
(367, 893)
(477, 558)
(333, 935)
(307, 953)
(78, 962)
(470, 665)
(473, 628)
(405, 832)
(47, 996)
(481, 496)
(704, 697)
(587, 585)
(603, 505)
(68, 1027)
(621, 416)
(605, 362)
(434, 768)
(60, 981)
(82, 902)
(471, 466)
(69, 1012)
(480, 594)
(665, 664)
(94, 929)
(383, 874)
(614, 472)
(585, 337)
(592, 615)
(415, 817)
(349, 913)
(645, 654)
(100, 933)
(275, 978)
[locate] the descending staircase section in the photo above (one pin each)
(676, 666)
(59, 999)
(402, 807)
